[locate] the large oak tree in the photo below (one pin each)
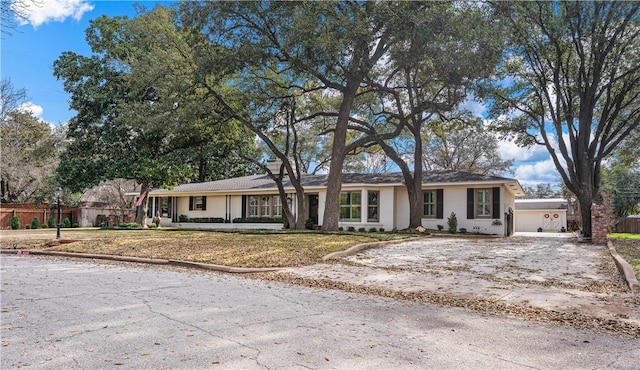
(571, 82)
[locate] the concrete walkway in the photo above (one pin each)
(552, 272)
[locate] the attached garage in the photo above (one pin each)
(550, 215)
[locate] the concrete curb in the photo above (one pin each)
(360, 247)
(625, 269)
(205, 266)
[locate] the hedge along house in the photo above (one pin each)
(482, 204)
(543, 215)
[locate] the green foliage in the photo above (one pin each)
(52, 222)
(351, 229)
(258, 220)
(130, 225)
(183, 218)
(15, 223)
(140, 119)
(452, 223)
(440, 227)
(35, 223)
(44, 225)
(29, 152)
(215, 220)
(373, 230)
(66, 222)
(362, 229)
(463, 230)
(621, 190)
(27, 226)
(542, 191)
(570, 73)
(308, 224)
(75, 225)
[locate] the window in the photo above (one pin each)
(197, 204)
(264, 206)
(277, 206)
(429, 207)
(350, 205)
(373, 205)
(483, 202)
(253, 206)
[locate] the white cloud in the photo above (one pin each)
(44, 11)
(32, 108)
(509, 150)
(542, 172)
(475, 107)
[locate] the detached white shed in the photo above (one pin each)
(550, 215)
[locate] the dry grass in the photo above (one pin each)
(230, 249)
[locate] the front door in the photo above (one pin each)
(313, 208)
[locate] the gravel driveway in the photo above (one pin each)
(548, 277)
(545, 258)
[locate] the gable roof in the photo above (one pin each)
(540, 204)
(265, 182)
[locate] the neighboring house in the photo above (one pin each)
(482, 204)
(101, 214)
(549, 215)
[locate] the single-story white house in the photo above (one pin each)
(547, 215)
(482, 204)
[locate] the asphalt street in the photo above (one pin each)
(84, 314)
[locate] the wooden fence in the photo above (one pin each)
(27, 212)
(629, 225)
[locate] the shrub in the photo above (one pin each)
(52, 222)
(66, 222)
(131, 225)
(183, 218)
(250, 220)
(15, 223)
(373, 230)
(463, 230)
(381, 229)
(27, 226)
(351, 229)
(362, 229)
(151, 226)
(341, 228)
(35, 223)
(75, 225)
(452, 222)
(308, 224)
(440, 227)
(44, 226)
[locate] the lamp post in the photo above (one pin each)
(58, 193)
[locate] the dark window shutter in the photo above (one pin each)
(190, 203)
(470, 204)
(157, 206)
(204, 203)
(439, 203)
(495, 209)
(244, 206)
(169, 207)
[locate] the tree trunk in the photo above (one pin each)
(331, 217)
(141, 211)
(415, 195)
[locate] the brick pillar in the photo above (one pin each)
(598, 224)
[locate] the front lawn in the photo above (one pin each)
(246, 249)
(628, 247)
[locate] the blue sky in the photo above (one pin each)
(56, 26)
